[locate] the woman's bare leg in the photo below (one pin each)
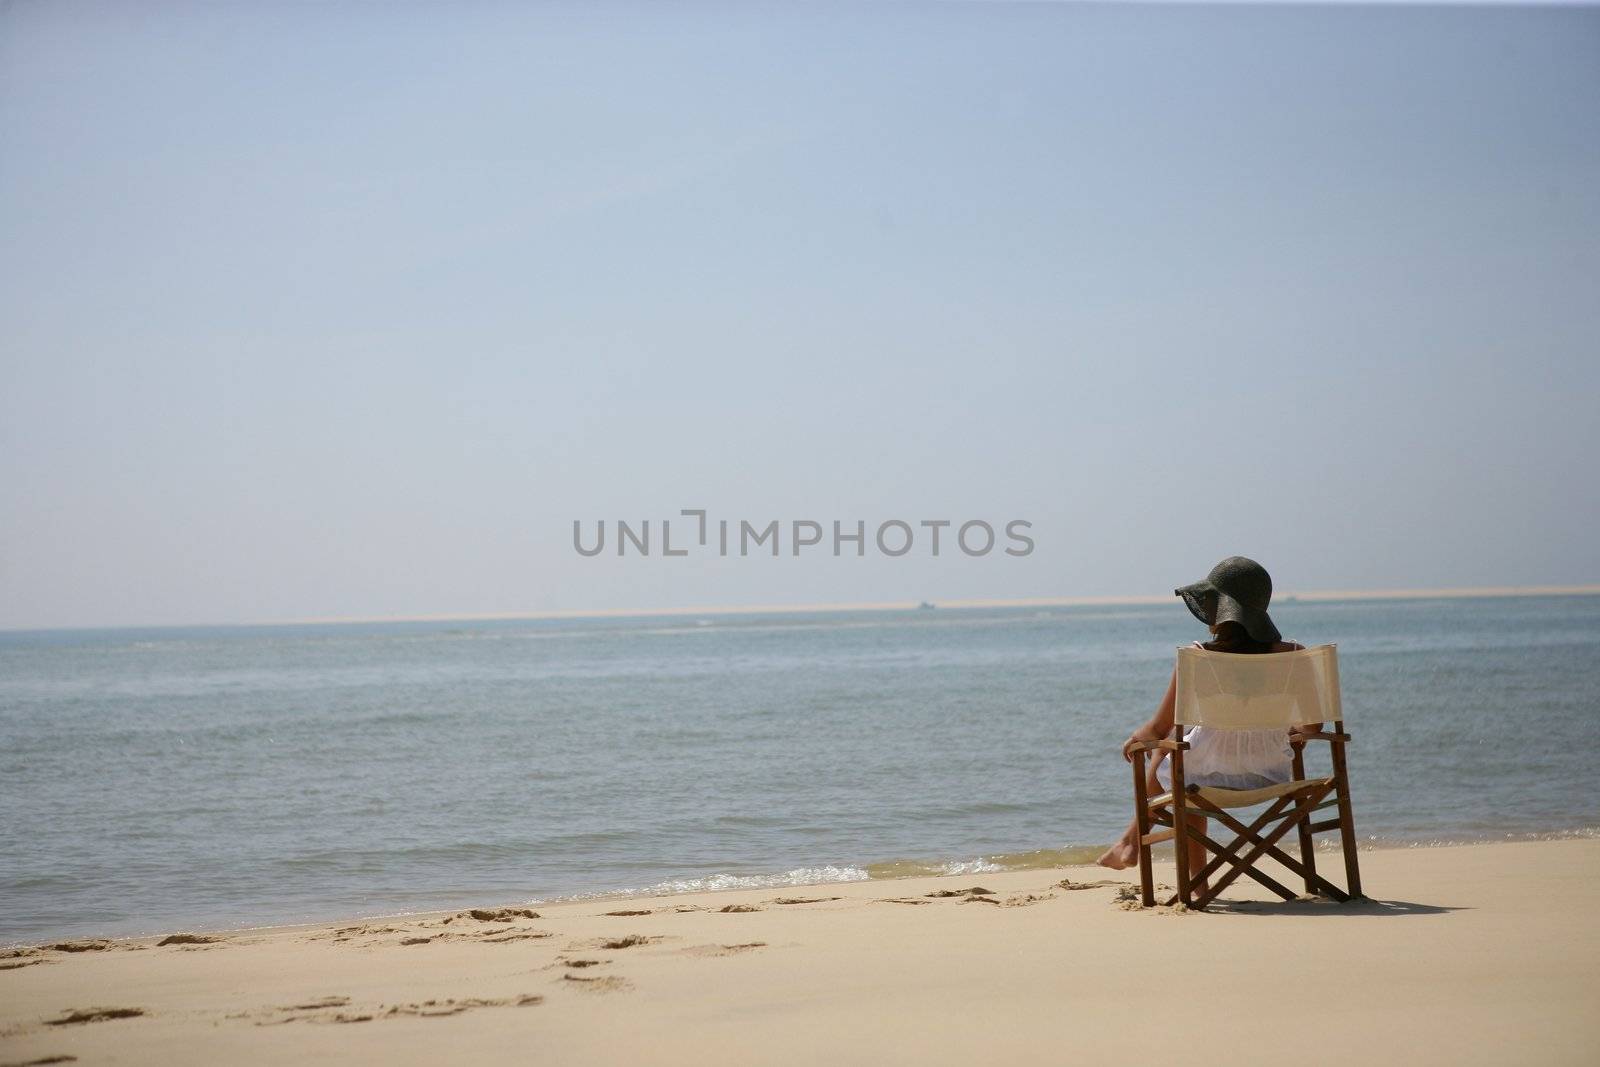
(1125, 853)
(1198, 856)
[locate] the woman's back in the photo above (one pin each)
(1239, 759)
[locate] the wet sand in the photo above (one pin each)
(1474, 954)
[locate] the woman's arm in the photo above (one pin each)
(1160, 724)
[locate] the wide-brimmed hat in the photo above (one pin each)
(1237, 590)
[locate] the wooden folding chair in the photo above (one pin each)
(1224, 691)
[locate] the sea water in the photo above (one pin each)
(152, 780)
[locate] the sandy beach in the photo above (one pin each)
(1472, 954)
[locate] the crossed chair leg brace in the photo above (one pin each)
(1291, 811)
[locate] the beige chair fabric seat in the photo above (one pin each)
(1246, 798)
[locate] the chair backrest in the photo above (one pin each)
(1228, 691)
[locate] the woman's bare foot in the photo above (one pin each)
(1120, 856)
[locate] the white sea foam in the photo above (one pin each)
(717, 882)
(798, 876)
(977, 866)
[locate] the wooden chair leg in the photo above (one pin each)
(1180, 826)
(1308, 854)
(1347, 819)
(1141, 804)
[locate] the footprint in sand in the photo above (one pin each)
(322, 1011)
(496, 935)
(732, 908)
(903, 900)
(437, 1008)
(42, 1061)
(322, 1002)
(1068, 883)
(1020, 901)
(975, 891)
(622, 913)
(803, 900)
(187, 939)
(529, 935)
(89, 945)
(599, 984)
(498, 915)
(348, 932)
(1127, 899)
(723, 950)
(629, 942)
(76, 1016)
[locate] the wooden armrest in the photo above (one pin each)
(1164, 744)
(1317, 735)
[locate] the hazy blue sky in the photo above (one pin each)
(351, 308)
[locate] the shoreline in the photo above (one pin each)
(977, 868)
(1482, 953)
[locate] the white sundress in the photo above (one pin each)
(1233, 759)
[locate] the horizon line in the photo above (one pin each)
(1317, 595)
(1115, 600)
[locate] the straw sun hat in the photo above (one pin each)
(1237, 590)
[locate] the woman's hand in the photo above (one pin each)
(1143, 733)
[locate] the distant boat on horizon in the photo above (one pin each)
(926, 606)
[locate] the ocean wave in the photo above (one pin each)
(1573, 833)
(831, 873)
(1037, 859)
(796, 877)
(716, 882)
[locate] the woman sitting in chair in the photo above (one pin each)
(1232, 601)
